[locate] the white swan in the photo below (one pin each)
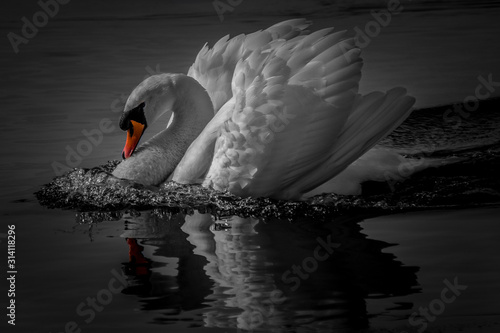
(275, 113)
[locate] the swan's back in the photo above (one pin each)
(292, 116)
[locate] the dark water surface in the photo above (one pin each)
(179, 270)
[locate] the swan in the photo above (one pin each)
(275, 113)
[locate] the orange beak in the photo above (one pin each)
(134, 134)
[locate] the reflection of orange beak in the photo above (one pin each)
(134, 134)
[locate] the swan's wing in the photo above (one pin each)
(372, 118)
(290, 106)
(214, 67)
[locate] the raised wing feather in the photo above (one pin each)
(292, 118)
(240, 150)
(372, 118)
(214, 67)
(290, 108)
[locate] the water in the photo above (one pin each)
(176, 268)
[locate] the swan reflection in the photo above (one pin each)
(252, 275)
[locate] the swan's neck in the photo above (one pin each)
(155, 160)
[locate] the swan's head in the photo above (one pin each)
(149, 100)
